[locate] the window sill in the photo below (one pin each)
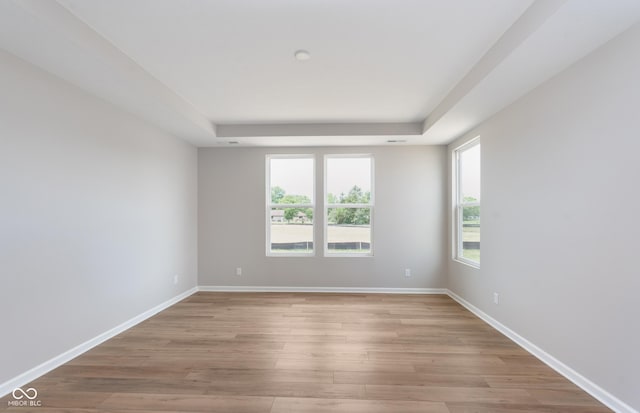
(348, 255)
(290, 255)
(468, 263)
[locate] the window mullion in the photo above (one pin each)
(281, 206)
(349, 206)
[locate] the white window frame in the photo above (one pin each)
(270, 205)
(327, 206)
(459, 204)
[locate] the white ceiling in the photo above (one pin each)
(372, 61)
(378, 69)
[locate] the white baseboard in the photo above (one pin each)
(579, 380)
(30, 375)
(353, 290)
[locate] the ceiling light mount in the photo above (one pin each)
(302, 55)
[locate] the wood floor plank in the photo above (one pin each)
(290, 338)
(265, 375)
(309, 405)
(245, 363)
(472, 370)
(521, 408)
(70, 370)
(530, 382)
(186, 403)
(289, 389)
(448, 394)
(407, 378)
(570, 397)
(303, 352)
(333, 365)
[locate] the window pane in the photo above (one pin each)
(291, 180)
(349, 230)
(471, 233)
(348, 180)
(470, 174)
(291, 230)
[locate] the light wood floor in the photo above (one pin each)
(281, 352)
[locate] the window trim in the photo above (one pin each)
(270, 205)
(327, 206)
(459, 203)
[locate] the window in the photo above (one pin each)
(290, 204)
(348, 200)
(467, 210)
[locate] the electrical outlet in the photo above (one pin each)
(496, 298)
(239, 271)
(407, 272)
(175, 279)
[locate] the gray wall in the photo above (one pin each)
(560, 227)
(98, 212)
(409, 229)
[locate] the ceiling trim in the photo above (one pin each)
(319, 129)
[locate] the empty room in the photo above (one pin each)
(271, 206)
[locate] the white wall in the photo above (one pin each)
(98, 211)
(560, 222)
(409, 229)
